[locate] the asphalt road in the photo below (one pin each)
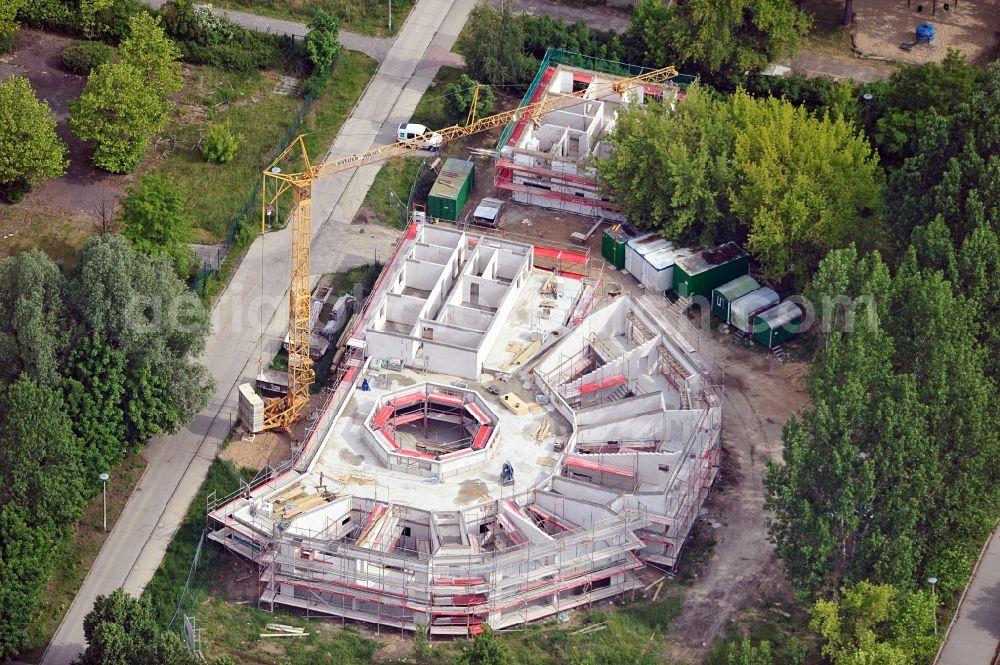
(974, 636)
(258, 293)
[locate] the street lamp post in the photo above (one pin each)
(104, 481)
(933, 582)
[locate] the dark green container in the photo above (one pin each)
(730, 291)
(451, 190)
(698, 274)
(613, 246)
(778, 324)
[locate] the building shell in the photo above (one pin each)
(613, 451)
(548, 161)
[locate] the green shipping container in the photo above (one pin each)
(698, 274)
(451, 190)
(730, 291)
(613, 246)
(778, 324)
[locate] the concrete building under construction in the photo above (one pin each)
(548, 161)
(502, 446)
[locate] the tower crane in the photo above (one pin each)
(282, 412)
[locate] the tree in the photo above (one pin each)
(121, 630)
(323, 41)
(644, 39)
(458, 99)
(136, 305)
(121, 113)
(733, 36)
(153, 54)
(40, 494)
(687, 153)
(484, 649)
(25, 565)
(94, 391)
(493, 45)
(88, 10)
(31, 318)
(791, 184)
(30, 150)
(8, 18)
(804, 185)
(154, 219)
(876, 623)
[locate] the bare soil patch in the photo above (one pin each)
(760, 394)
(265, 449)
(77, 194)
(969, 26)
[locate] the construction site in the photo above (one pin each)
(505, 444)
(548, 161)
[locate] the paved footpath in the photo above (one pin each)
(178, 464)
(974, 636)
(375, 47)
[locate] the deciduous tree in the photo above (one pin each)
(459, 96)
(121, 630)
(154, 219)
(876, 623)
(323, 40)
(138, 306)
(120, 113)
(32, 318)
(493, 45)
(155, 55)
(734, 35)
(40, 494)
(30, 150)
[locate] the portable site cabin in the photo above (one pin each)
(778, 324)
(613, 245)
(451, 189)
(699, 273)
(658, 268)
(724, 295)
(742, 310)
(638, 247)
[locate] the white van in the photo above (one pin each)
(420, 135)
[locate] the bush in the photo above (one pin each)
(207, 39)
(112, 24)
(51, 14)
(8, 42)
(84, 56)
(220, 144)
(13, 192)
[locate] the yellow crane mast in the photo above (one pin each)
(282, 412)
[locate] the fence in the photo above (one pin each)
(240, 221)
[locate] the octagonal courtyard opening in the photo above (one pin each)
(430, 429)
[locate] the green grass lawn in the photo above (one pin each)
(396, 176)
(367, 17)
(217, 192)
(57, 235)
(78, 554)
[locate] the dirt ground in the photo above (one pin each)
(78, 193)
(761, 392)
(272, 448)
(970, 26)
